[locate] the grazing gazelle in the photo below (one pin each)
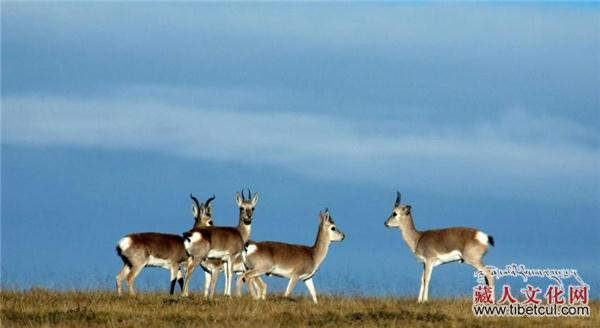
(220, 243)
(139, 250)
(295, 262)
(435, 247)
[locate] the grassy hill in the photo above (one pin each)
(39, 307)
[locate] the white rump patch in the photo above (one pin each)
(196, 236)
(482, 237)
(124, 243)
(187, 243)
(455, 255)
(158, 262)
(251, 249)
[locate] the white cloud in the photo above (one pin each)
(516, 153)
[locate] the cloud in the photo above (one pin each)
(320, 25)
(444, 58)
(518, 153)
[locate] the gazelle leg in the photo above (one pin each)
(311, 289)
(238, 285)
(226, 280)
(190, 266)
(207, 282)
(131, 275)
(214, 278)
(422, 289)
(249, 276)
(427, 274)
(478, 264)
(259, 287)
(120, 277)
(290, 286)
(228, 275)
(253, 287)
(174, 270)
(180, 279)
(262, 286)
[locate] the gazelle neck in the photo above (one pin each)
(244, 229)
(197, 225)
(409, 233)
(321, 246)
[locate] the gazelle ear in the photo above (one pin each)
(208, 204)
(254, 199)
(321, 216)
(195, 211)
(195, 206)
(238, 199)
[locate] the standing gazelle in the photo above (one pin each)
(221, 243)
(295, 262)
(212, 266)
(435, 247)
(139, 250)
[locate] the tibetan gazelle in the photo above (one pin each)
(295, 262)
(220, 243)
(435, 247)
(152, 249)
(212, 268)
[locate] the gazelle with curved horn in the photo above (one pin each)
(295, 262)
(220, 243)
(212, 267)
(152, 249)
(435, 247)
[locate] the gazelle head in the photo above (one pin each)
(202, 212)
(399, 213)
(246, 205)
(328, 225)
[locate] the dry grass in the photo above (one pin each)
(76, 309)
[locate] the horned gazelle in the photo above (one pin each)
(220, 243)
(152, 249)
(212, 267)
(295, 262)
(435, 247)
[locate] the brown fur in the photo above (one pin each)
(434, 247)
(276, 253)
(143, 247)
(160, 245)
(445, 240)
(228, 241)
(295, 262)
(165, 248)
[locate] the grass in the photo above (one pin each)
(39, 307)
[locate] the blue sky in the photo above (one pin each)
(482, 115)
